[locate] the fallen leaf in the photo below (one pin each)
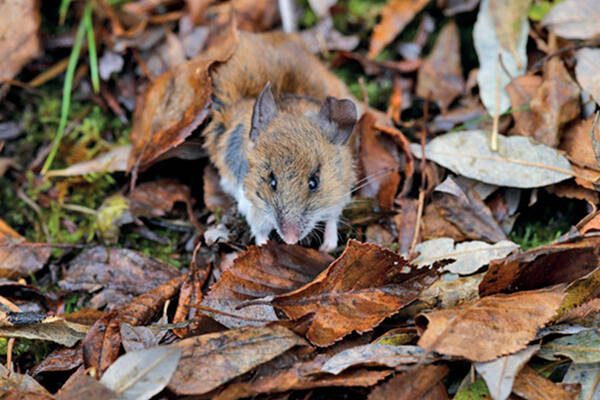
(543, 266)
(85, 387)
(102, 344)
(174, 104)
(406, 222)
(435, 225)
(19, 42)
(469, 256)
(582, 348)
(137, 338)
(19, 258)
(5, 164)
(395, 15)
(464, 209)
(190, 295)
(500, 373)
(323, 36)
(588, 375)
(114, 160)
(450, 292)
(555, 103)
(492, 45)
(519, 162)
(139, 375)
(577, 143)
(413, 384)
(366, 284)
(380, 167)
(587, 70)
(373, 354)
(490, 327)
(210, 360)
(440, 77)
(22, 386)
(63, 359)
(214, 196)
(521, 91)
(120, 273)
(157, 198)
(532, 385)
(574, 19)
(262, 271)
(32, 325)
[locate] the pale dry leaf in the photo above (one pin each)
(490, 50)
(574, 19)
(500, 374)
(114, 160)
(519, 162)
(582, 348)
(31, 325)
(587, 71)
(468, 256)
(374, 353)
(588, 375)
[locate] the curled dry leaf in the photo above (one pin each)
(421, 383)
(114, 160)
(139, 375)
(500, 55)
(64, 359)
(574, 19)
(259, 272)
(440, 76)
(373, 354)
(468, 256)
(530, 384)
(543, 266)
(38, 326)
(19, 42)
(490, 327)
(121, 273)
(19, 258)
(519, 162)
(190, 295)
(102, 343)
(500, 373)
(395, 15)
(210, 360)
(379, 166)
(175, 103)
(366, 284)
(587, 70)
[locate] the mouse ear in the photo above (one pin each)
(341, 114)
(264, 111)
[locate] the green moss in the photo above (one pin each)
(164, 252)
(476, 391)
(39, 349)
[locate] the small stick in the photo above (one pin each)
(496, 120)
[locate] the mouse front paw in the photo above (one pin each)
(330, 238)
(328, 247)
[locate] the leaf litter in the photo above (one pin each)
(128, 273)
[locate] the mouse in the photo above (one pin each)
(280, 138)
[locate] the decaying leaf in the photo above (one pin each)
(102, 343)
(530, 384)
(500, 373)
(588, 376)
(490, 327)
(174, 104)
(574, 19)
(190, 295)
(114, 160)
(521, 90)
(420, 383)
(83, 386)
(19, 258)
(64, 359)
(582, 348)
(366, 284)
(577, 143)
(394, 17)
(33, 325)
(142, 374)
(468, 256)
(19, 42)
(501, 56)
(587, 70)
(373, 354)
(440, 76)
(262, 271)
(519, 162)
(21, 386)
(210, 360)
(157, 198)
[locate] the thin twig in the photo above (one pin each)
(496, 120)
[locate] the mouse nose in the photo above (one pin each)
(291, 233)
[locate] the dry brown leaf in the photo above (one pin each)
(555, 103)
(19, 259)
(157, 198)
(15, 386)
(63, 359)
(413, 384)
(577, 143)
(406, 222)
(379, 166)
(210, 360)
(521, 90)
(366, 284)
(190, 295)
(33, 325)
(174, 104)
(102, 344)
(440, 76)
(434, 225)
(532, 385)
(19, 42)
(574, 19)
(85, 387)
(490, 327)
(543, 266)
(395, 15)
(262, 271)
(5, 164)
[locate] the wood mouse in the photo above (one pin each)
(279, 136)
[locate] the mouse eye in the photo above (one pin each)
(313, 182)
(272, 181)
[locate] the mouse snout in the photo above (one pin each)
(290, 232)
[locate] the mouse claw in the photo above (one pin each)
(328, 247)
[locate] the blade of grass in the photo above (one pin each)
(62, 11)
(66, 99)
(89, 28)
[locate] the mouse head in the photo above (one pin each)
(300, 166)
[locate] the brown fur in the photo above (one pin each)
(294, 144)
